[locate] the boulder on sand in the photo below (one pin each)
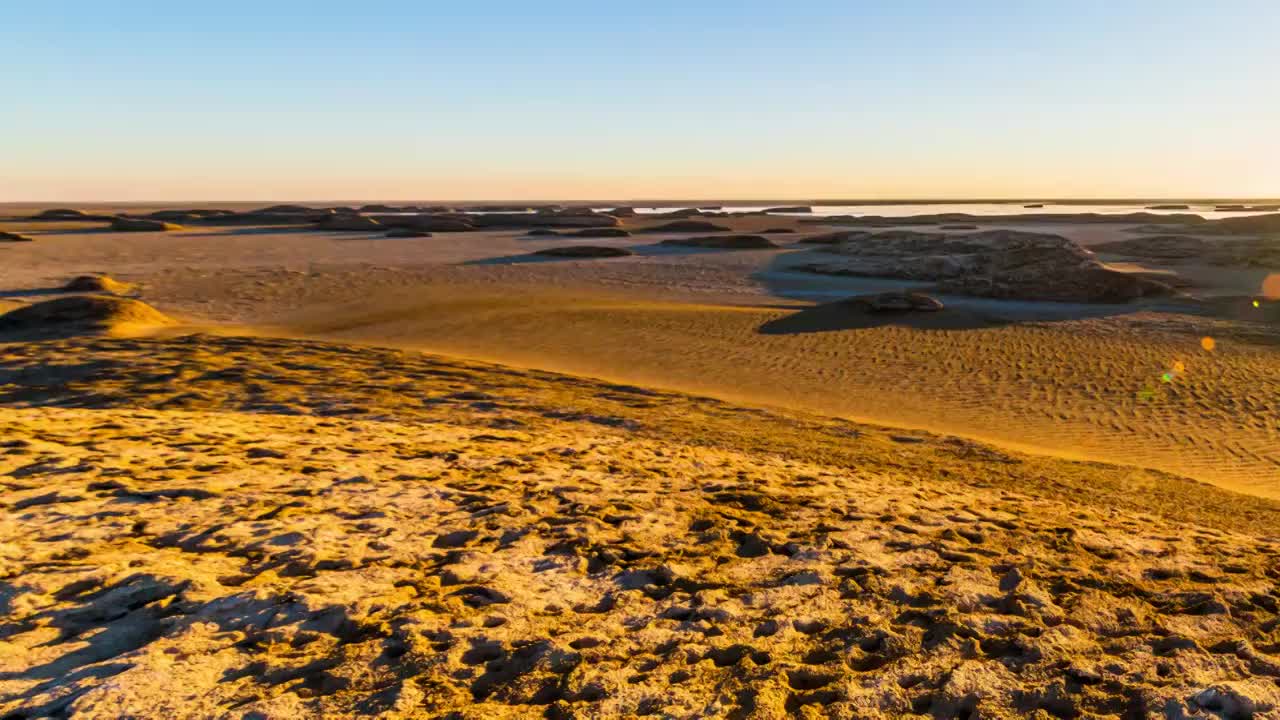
(352, 223)
(585, 251)
(13, 237)
(898, 301)
(97, 284)
(129, 224)
(407, 233)
(724, 242)
(81, 313)
(541, 232)
(687, 226)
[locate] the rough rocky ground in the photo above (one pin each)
(250, 528)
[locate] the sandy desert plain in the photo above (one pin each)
(284, 465)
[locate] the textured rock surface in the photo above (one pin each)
(584, 251)
(995, 263)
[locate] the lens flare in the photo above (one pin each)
(1208, 343)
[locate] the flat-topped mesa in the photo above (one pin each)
(1005, 264)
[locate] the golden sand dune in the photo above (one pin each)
(1138, 389)
(234, 527)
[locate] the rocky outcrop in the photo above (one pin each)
(792, 210)
(13, 237)
(777, 231)
(622, 212)
(350, 223)
(898, 301)
(687, 226)
(724, 242)
(997, 264)
(1168, 207)
(542, 232)
(585, 251)
(407, 233)
(130, 224)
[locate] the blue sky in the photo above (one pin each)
(419, 100)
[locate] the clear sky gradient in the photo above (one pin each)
(414, 100)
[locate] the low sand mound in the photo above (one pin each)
(725, 242)
(13, 237)
(127, 224)
(97, 284)
(585, 251)
(82, 313)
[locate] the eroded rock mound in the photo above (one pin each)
(350, 223)
(13, 237)
(585, 251)
(1005, 264)
(97, 284)
(81, 313)
(687, 226)
(724, 242)
(599, 233)
(130, 224)
(547, 218)
(427, 223)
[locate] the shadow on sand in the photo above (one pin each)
(847, 315)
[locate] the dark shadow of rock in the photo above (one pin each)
(852, 315)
